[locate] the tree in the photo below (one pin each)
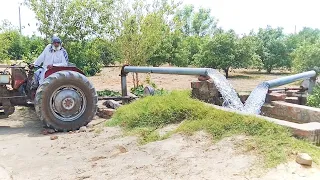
(305, 36)
(143, 33)
(306, 57)
(226, 50)
(272, 49)
(73, 20)
(194, 23)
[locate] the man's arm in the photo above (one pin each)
(42, 56)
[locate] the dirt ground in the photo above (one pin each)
(105, 153)
(242, 80)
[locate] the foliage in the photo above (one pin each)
(314, 98)
(194, 23)
(147, 115)
(73, 20)
(85, 56)
(139, 90)
(226, 50)
(272, 49)
(14, 46)
(306, 57)
(108, 93)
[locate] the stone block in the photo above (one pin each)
(112, 104)
(274, 96)
(290, 93)
(244, 96)
(295, 113)
(206, 92)
(293, 100)
(105, 113)
(304, 159)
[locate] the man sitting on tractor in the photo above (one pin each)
(53, 55)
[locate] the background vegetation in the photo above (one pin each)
(102, 32)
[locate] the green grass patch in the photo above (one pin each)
(145, 116)
(108, 93)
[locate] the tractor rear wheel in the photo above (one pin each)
(66, 101)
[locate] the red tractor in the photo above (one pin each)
(65, 101)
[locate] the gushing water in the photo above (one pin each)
(229, 94)
(256, 99)
(231, 99)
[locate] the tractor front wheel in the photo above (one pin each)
(66, 101)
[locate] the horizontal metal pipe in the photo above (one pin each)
(290, 79)
(167, 70)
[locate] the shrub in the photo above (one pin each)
(314, 98)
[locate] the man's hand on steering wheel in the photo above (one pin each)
(31, 66)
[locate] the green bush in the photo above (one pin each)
(108, 93)
(314, 98)
(85, 57)
(90, 56)
(275, 143)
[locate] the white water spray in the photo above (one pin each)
(231, 99)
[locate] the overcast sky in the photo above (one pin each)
(240, 15)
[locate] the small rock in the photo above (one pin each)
(48, 131)
(98, 158)
(122, 149)
(53, 137)
(304, 159)
(83, 129)
(105, 113)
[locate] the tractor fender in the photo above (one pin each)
(64, 68)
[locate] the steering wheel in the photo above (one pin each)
(32, 66)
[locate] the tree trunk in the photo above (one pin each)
(269, 69)
(137, 79)
(226, 70)
(134, 81)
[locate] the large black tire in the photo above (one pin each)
(46, 101)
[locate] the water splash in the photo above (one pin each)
(231, 99)
(229, 94)
(256, 99)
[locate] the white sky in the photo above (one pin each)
(240, 15)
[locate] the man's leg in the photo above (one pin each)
(36, 78)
